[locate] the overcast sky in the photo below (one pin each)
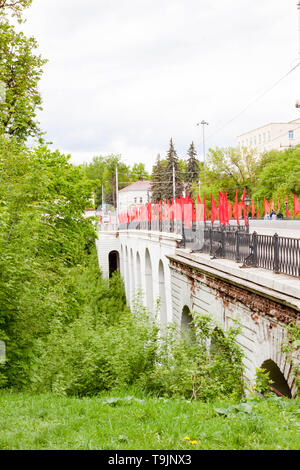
(126, 76)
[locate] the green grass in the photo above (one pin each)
(50, 422)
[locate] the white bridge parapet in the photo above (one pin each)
(263, 302)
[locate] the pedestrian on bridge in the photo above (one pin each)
(279, 215)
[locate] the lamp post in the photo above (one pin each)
(203, 124)
(286, 208)
(247, 204)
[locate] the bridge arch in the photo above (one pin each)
(162, 294)
(132, 274)
(276, 376)
(149, 281)
(113, 262)
(187, 323)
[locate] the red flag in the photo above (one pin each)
(296, 206)
(245, 214)
(236, 208)
(272, 205)
(213, 209)
(229, 211)
(221, 209)
(258, 214)
(226, 208)
(188, 213)
(204, 203)
(267, 207)
(278, 204)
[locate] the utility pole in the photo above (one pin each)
(298, 7)
(203, 124)
(174, 184)
(117, 194)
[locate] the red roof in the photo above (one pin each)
(137, 186)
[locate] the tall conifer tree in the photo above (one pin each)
(192, 173)
(172, 162)
(157, 180)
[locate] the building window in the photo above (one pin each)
(255, 140)
(141, 200)
(264, 137)
(269, 134)
(291, 134)
(259, 139)
(135, 199)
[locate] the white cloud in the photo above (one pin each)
(124, 77)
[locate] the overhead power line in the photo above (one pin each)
(254, 101)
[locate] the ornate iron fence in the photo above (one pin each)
(279, 254)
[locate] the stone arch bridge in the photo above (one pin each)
(155, 264)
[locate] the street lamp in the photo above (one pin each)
(247, 202)
(203, 124)
(286, 208)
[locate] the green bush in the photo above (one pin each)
(191, 366)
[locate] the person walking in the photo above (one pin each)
(279, 215)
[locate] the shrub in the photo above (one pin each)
(187, 366)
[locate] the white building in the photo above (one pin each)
(273, 136)
(136, 194)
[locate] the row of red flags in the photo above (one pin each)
(184, 209)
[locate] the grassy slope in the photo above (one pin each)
(50, 422)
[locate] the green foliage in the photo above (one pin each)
(43, 238)
(158, 175)
(280, 176)
(20, 72)
(14, 7)
(102, 171)
(114, 421)
(105, 347)
(263, 383)
(138, 172)
(229, 169)
(291, 347)
(172, 162)
(193, 167)
(187, 367)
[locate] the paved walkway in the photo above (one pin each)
(284, 228)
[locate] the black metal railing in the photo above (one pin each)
(233, 242)
(279, 254)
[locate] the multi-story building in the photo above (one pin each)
(135, 194)
(273, 136)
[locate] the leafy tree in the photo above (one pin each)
(192, 172)
(20, 72)
(139, 172)
(172, 162)
(102, 171)
(15, 7)
(280, 176)
(43, 238)
(229, 169)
